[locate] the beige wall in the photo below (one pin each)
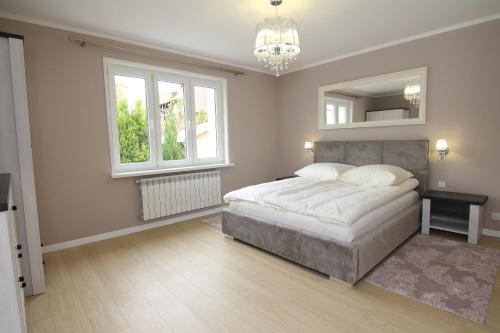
(393, 102)
(76, 195)
(362, 104)
(463, 106)
(269, 120)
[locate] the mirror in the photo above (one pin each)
(383, 100)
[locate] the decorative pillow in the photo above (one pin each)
(324, 171)
(376, 175)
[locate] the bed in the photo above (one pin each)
(341, 252)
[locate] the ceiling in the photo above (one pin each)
(380, 87)
(223, 30)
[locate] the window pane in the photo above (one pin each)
(206, 122)
(342, 114)
(330, 114)
(132, 119)
(173, 122)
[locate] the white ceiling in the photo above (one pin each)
(381, 87)
(224, 30)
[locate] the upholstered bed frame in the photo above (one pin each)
(348, 261)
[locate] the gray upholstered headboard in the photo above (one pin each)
(411, 155)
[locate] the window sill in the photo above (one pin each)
(170, 170)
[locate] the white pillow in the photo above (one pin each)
(324, 171)
(376, 175)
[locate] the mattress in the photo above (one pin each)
(329, 200)
(315, 226)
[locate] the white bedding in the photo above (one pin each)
(328, 201)
(363, 225)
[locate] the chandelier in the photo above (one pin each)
(412, 93)
(277, 41)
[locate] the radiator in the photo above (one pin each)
(164, 196)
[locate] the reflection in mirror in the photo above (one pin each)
(385, 100)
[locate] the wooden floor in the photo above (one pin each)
(187, 277)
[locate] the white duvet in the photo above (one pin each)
(329, 201)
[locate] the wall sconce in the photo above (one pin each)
(442, 148)
(308, 147)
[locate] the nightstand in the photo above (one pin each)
(455, 212)
(286, 177)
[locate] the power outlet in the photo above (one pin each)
(441, 184)
(495, 216)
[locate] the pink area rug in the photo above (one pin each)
(456, 277)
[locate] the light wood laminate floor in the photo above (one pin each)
(187, 277)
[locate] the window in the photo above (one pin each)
(337, 111)
(162, 120)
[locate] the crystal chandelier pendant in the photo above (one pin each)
(412, 93)
(277, 41)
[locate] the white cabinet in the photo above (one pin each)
(12, 313)
(16, 157)
(392, 114)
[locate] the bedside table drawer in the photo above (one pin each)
(450, 209)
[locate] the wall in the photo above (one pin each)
(76, 195)
(393, 102)
(362, 104)
(463, 106)
(78, 198)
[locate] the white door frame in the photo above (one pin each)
(20, 98)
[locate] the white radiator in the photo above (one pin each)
(164, 196)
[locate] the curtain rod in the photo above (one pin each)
(10, 35)
(83, 42)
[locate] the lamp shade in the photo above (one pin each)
(441, 145)
(412, 93)
(277, 43)
(308, 145)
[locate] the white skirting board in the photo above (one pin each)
(491, 233)
(127, 231)
(157, 224)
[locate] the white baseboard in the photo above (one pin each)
(127, 231)
(491, 233)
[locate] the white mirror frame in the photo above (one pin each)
(421, 71)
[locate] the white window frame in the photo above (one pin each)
(168, 77)
(219, 119)
(336, 101)
(151, 75)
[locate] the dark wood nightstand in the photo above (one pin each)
(286, 177)
(455, 212)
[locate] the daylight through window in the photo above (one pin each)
(164, 119)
